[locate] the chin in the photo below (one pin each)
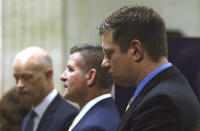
(70, 98)
(65, 96)
(123, 84)
(66, 93)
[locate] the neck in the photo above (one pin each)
(94, 93)
(150, 66)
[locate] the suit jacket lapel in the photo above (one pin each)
(43, 124)
(150, 85)
(25, 122)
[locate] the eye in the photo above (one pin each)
(27, 77)
(108, 53)
(16, 78)
(70, 69)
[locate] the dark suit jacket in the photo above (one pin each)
(166, 103)
(57, 117)
(103, 116)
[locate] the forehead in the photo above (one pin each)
(22, 72)
(22, 67)
(107, 42)
(74, 59)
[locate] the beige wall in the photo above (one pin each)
(31, 23)
(57, 25)
(83, 16)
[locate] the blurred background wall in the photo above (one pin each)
(57, 25)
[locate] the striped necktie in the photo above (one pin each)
(129, 104)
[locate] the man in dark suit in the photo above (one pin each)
(34, 81)
(135, 44)
(89, 85)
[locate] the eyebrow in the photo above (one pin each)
(25, 73)
(22, 75)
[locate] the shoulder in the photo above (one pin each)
(104, 114)
(61, 109)
(171, 99)
(171, 85)
(61, 104)
(104, 108)
(174, 89)
(59, 114)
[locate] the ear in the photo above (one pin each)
(136, 49)
(49, 74)
(91, 76)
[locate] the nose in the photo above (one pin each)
(20, 83)
(105, 63)
(63, 77)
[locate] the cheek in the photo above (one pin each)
(72, 80)
(119, 65)
(38, 85)
(32, 93)
(76, 82)
(35, 88)
(115, 62)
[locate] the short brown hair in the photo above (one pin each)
(92, 57)
(137, 22)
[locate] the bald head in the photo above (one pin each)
(33, 73)
(34, 57)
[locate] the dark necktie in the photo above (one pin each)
(30, 123)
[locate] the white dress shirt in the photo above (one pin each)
(41, 108)
(86, 108)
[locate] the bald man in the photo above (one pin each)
(33, 73)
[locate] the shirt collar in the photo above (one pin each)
(147, 78)
(41, 108)
(89, 105)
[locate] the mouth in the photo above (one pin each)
(23, 93)
(111, 73)
(65, 86)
